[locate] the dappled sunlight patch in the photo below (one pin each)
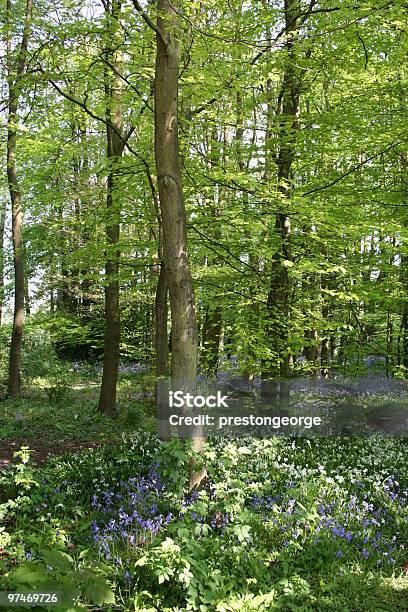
(83, 386)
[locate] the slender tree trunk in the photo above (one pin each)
(172, 208)
(2, 227)
(113, 90)
(161, 339)
(184, 324)
(325, 353)
(279, 292)
(161, 333)
(27, 305)
(85, 282)
(404, 275)
(212, 327)
(390, 343)
(404, 331)
(254, 261)
(16, 69)
(212, 319)
(18, 258)
(63, 297)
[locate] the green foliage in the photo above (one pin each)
(39, 358)
(280, 524)
(74, 338)
(345, 195)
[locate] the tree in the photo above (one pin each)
(2, 228)
(113, 94)
(16, 68)
(184, 335)
(288, 100)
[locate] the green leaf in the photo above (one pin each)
(57, 558)
(99, 592)
(28, 574)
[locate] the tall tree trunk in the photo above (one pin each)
(85, 233)
(113, 91)
(64, 294)
(325, 350)
(2, 227)
(18, 258)
(16, 70)
(27, 304)
(173, 214)
(404, 270)
(404, 318)
(212, 319)
(279, 292)
(251, 357)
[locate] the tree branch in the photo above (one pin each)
(353, 169)
(149, 22)
(87, 110)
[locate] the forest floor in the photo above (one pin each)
(54, 420)
(281, 524)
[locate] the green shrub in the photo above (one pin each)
(38, 353)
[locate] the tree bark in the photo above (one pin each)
(16, 70)
(113, 91)
(172, 208)
(404, 317)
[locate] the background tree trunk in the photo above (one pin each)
(2, 228)
(113, 88)
(14, 90)
(278, 295)
(212, 319)
(161, 339)
(161, 335)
